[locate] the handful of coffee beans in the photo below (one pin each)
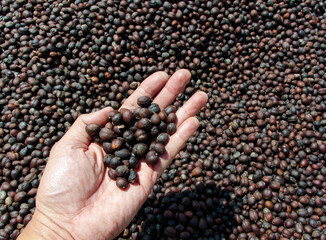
(130, 136)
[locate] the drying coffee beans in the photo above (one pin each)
(262, 64)
(135, 138)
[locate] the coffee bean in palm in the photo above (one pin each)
(162, 116)
(172, 117)
(127, 116)
(133, 177)
(140, 149)
(137, 112)
(155, 131)
(144, 101)
(128, 136)
(159, 148)
(107, 159)
(119, 129)
(117, 119)
(133, 162)
(122, 171)
(117, 144)
(112, 113)
(163, 138)
(151, 158)
(106, 134)
(122, 183)
(107, 147)
(93, 128)
(170, 109)
(109, 125)
(154, 108)
(123, 154)
(141, 135)
(144, 123)
(171, 128)
(112, 174)
(162, 127)
(155, 119)
(144, 113)
(114, 162)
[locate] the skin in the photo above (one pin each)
(76, 198)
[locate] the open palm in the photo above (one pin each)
(76, 193)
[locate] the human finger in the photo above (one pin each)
(191, 107)
(149, 87)
(172, 88)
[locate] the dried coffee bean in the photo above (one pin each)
(170, 109)
(127, 116)
(93, 129)
(112, 174)
(107, 159)
(144, 113)
(171, 128)
(133, 177)
(144, 101)
(140, 149)
(123, 154)
(151, 158)
(107, 147)
(144, 123)
(128, 136)
(122, 171)
(117, 144)
(121, 183)
(155, 119)
(141, 135)
(133, 162)
(115, 162)
(106, 134)
(159, 148)
(172, 117)
(163, 138)
(154, 108)
(117, 119)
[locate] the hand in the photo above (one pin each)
(76, 198)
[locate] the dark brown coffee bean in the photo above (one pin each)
(122, 171)
(140, 149)
(123, 154)
(171, 128)
(117, 144)
(144, 101)
(154, 108)
(127, 116)
(93, 128)
(151, 158)
(163, 138)
(128, 136)
(172, 117)
(159, 148)
(133, 177)
(114, 162)
(106, 134)
(117, 119)
(107, 147)
(155, 119)
(122, 183)
(107, 159)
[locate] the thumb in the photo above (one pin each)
(77, 133)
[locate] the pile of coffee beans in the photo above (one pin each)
(255, 168)
(130, 136)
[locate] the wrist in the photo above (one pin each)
(43, 227)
